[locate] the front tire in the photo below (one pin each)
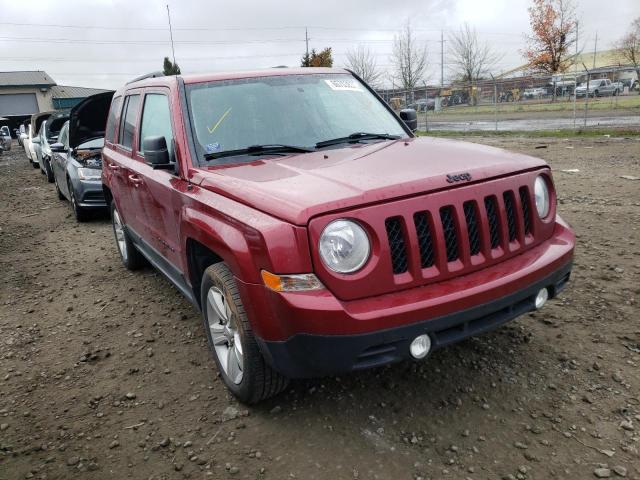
(80, 213)
(48, 171)
(131, 258)
(58, 191)
(242, 367)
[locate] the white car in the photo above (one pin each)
(537, 92)
(26, 143)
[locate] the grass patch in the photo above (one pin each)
(602, 103)
(561, 133)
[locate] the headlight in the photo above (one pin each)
(89, 174)
(344, 246)
(541, 191)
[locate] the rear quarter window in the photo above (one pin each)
(128, 121)
(110, 130)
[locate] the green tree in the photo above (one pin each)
(170, 68)
(318, 59)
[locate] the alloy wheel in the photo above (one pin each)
(118, 229)
(225, 336)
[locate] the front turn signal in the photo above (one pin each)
(291, 283)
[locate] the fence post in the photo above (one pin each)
(586, 96)
(495, 102)
(426, 107)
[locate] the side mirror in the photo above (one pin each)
(156, 153)
(57, 147)
(410, 117)
(35, 140)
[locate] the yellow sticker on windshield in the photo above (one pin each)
(344, 84)
(224, 115)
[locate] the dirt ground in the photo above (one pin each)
(106, 373)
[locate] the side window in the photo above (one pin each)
(128, 121)
(156, 120)
(63, 138)
(110, 130)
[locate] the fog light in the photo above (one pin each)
(541, 298)
(420, 346)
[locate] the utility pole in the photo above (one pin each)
(173, 52)
(441, 58)
(306, 40)
(575, 78)
(595, 50)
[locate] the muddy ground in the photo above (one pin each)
(106, 373)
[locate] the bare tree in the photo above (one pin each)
(363, 63)
(409, 58)
(471, 59)
(629, 46)
(553, 24)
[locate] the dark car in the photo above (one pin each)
(76, 156)
(48, 135)
(423, 104)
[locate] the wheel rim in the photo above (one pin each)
(118, 229)
(225, 336)
(73, 199)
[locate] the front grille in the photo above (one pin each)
(425, 241)
(472, 227)
(490, 204)
(526, 211)
(504, 218)
(397, 244)
(511, 215)
(450, 235)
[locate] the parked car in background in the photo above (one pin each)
(34, 137)
(26, 144)
(76, 161)
(5, 138)
(319, 241)
(619, 86)
(49, 135)
(423, 104)
(531, 93)
(597, 88)
(22, 133)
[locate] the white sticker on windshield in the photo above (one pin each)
(344, 84)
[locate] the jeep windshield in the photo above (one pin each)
(297, 113)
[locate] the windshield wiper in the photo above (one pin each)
(258, 149)
(356, 137)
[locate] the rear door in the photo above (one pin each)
(156, 192)
(118, 159)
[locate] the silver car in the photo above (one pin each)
(597, 88)
(76, 158)
(5, 138)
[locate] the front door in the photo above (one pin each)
(156, 197)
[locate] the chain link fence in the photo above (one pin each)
(580, 99)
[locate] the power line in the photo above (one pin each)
(231, 29)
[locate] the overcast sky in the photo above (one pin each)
(101, 43)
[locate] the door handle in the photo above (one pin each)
(135, 179)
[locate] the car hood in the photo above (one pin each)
(88, 118)
(298, 187)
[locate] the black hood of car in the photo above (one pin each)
(87, 120)
(37, 119)
(55, 123)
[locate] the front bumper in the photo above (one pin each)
(304, 334)
(90, 194)
(305, 355)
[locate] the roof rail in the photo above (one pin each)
(147, 75)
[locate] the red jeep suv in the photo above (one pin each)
(314, 231)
